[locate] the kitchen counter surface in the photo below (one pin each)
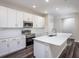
(58, 40)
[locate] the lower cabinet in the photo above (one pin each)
(21, 43)
(11, 45)
(3, 47)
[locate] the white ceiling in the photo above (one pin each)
(64, 6)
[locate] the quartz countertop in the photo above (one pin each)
(58, 40)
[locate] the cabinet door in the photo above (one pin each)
(19, 19)
(25, 16)
(3, 16)
(34, 21)
(21, 43)
(11, 18)
(40, 22)
(3, 47)
(30, 18)
(12, 45)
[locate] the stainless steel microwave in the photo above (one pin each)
(27, 24)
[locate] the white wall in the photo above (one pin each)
(68, 25)
(77, 27)
(58, 23)
(65, 25)
(38, 31)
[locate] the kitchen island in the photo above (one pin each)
(50, 47)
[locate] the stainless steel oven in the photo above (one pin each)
(29, 37)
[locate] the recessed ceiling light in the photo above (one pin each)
(57, 8)
(34, 6)
(47, 0)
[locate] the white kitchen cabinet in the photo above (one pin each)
(38, 22)
(34, 21)
(4, 48)
(12, 45)
(30, 17)
(11, 18)
(42, 22)
(16, 44)
(25, 16)
(21, 43)
(3, 16)
(19, 19)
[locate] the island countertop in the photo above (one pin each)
(58, 40)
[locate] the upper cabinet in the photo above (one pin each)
(19, 19)
(38, 22)
(11, 18)
(3, 17)
(15, 18)
(27, 17)
(34, 21)
(30, 17)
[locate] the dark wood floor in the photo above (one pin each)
(71, 51)
(24, 53)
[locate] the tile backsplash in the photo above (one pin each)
(38, 31)
(5, 33)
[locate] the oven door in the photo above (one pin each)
(29, 41)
